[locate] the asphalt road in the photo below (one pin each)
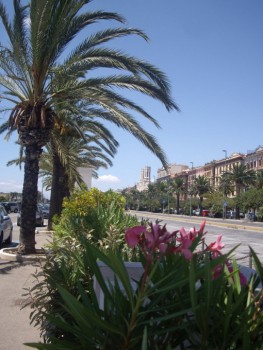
(235, 232)
(238, 233)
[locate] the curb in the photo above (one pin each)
(6, 254)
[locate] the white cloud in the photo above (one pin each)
(10, 186)
(108, 179)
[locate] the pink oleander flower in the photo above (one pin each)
(215, 247)
(155, 240)
(193, 233)
(219, 270)
(185, 240)
(158, 240)
(201, 229)
(133, 235)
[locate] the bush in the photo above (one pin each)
(92, 216)
(95, 215)
(187, 297)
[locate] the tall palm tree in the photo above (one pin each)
(70, 152)
(241, 178)
(225, 184)
(259, 179)
(178, 187)
(201, 186)
(73, 154)
(37, 51)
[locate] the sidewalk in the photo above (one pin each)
(15, 327)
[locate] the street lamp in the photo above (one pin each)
(225, 203)
(191, 191)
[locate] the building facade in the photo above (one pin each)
(254, 159)
(214, 169)
(171, 172)
(145, 179)
(86, 174)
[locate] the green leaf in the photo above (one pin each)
(85, 318)
(144, 339)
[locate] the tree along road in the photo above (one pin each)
(236, 233)
(5, 263)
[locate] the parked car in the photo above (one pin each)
(45, 210)
(10, 207)
(196, 212)
(39, 217)
(205, 212)
(252, 216)
(231, 214)
(6, 226)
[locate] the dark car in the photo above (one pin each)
(10, 207)
(6, 226)
(39, 217)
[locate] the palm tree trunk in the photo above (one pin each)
(59, 188)
(238, 191)
(177, 202)
(200, 205)
(29, 200)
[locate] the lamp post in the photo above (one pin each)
(191, 191)
(224, 204)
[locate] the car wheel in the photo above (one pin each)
(9, 239)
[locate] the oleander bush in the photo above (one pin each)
(91, 216)
(189, 296)
(94, 214)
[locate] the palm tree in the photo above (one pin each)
(225, 185)
(201, 186)
(241, 178)
(38, 39)
(178, 187)
(259, 179)
(70, 152)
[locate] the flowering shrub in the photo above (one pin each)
(190, 296)
(158, 242)
(158, 239)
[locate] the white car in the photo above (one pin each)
(6, 227)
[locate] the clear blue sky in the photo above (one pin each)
(212, 52)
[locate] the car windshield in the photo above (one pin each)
(3, 210)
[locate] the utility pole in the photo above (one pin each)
(190, 189)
